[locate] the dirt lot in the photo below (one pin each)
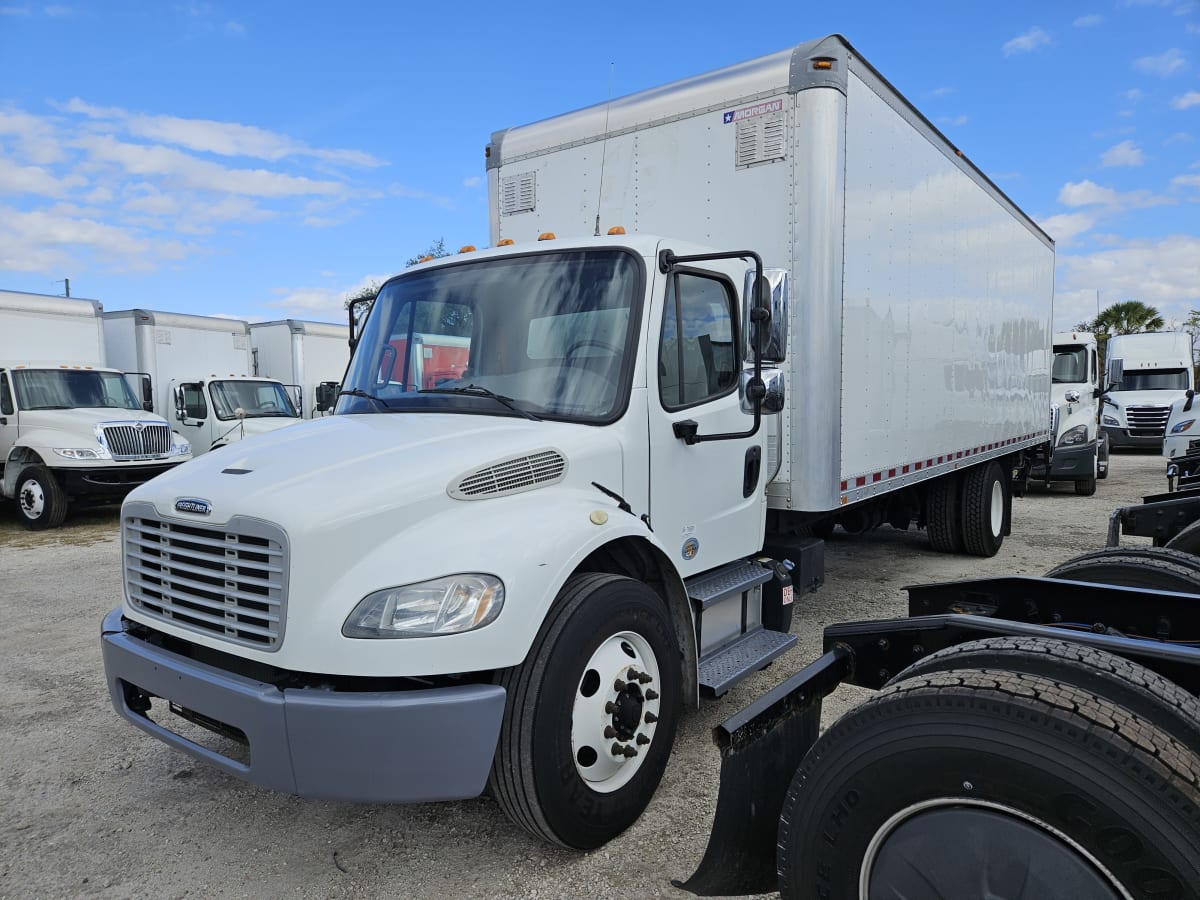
(91, 807)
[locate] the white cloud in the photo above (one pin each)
(1090, 21)
(16, 179)
(1165, 64)
(1186, 181)
(57, 12)
(955, 121)
(15, 11)
(235, 28)
(473, 182)
(1027, 42)
(941, 92)
(1179, 137)
(1133, 95)
(1087, 193)
(408, 193)
(1186, 101)
(1126, 153)
(1067, 226)
(327, 303)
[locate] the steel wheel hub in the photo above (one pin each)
(33, 501)
(615, 711)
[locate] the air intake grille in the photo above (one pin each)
(129, 441)
(761, 139)
(1147, 421)
(511, 476)
(228, 581)
(518, 193)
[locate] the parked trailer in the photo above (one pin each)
(197, 373)
(542, 559)
(71, 430)
(310, 356)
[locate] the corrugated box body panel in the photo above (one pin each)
(921, 296)
(41, 327)
(301, 353)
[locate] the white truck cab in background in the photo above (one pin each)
(1156, 372)
(309, 356)
(516, 560)
(70, 427)
(1080, 452)
(196, 371)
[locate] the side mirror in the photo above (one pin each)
(772, 294)
(1115, 371)
(1188, 405)
(1071, 396)
(357, 311)
(775, 396)
(180, 407)
(326, 395)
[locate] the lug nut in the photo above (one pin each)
(651, 694)
(633, 674)
(630, 752)
(610, 708)
(618, 750)
(642, 740)
(618, 685)
(609, 731)
(651, 718)
(645, 678)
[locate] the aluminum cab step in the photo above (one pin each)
(745, 656)
(713, 587)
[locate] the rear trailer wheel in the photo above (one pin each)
(985, 506)
(591, 714)
(40, 498)
(1157, 568)
(943, 514)
(1120, 681)
(976, 784)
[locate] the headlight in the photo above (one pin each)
(1076, 435)
(1181, 427)
(1109, 420)
(449, 605)
(179, 446)
(83, 452)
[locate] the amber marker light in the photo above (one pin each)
(546, 236)
(822, 63)
(467, 248)
(507, 242)
(617, 229)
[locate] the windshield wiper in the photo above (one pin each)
(475, 390)
(359, 392)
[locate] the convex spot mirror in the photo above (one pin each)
(773, 293)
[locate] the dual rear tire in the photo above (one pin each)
(969, 512)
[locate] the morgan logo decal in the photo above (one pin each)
(193, 505)
(749, 112)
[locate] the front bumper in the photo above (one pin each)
(1072, 463)
(370, 746)
(111, 482)
(1123, 437)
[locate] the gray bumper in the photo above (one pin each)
(1120, 437)
(1073, 463)
(378, 747)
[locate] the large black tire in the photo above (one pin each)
(986, 499)
(1124, 683)
(943, 514)
(1187, 541)
(974, 783)
(600, 627)
(1156, 568)
(41, 500)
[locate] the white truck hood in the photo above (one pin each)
(1145, 398)
(320, 472)
(71, 420)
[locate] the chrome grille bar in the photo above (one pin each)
(127, 441)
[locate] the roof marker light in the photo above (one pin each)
(546, 236)
(822, 63)
(506, 242)
(467, 248)
(424, 259)
(617, 229)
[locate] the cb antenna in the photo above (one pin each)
(604, 147)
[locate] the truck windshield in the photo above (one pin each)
(255, 399)
(1070, 365)
(547, 335)
(72, 389)
(1154, 380)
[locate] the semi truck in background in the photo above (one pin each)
(196, 371)
(600, 515)
(1156, 371)
(1080, 449)
(311, 356)
(71, 429)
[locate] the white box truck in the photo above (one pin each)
(522, 574)
(309, 357)
(71, 429)
(197, 372)
(1079, 452)
(1156, 371)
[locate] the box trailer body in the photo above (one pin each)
(1080, 451)
(197, 371)
(70, 427)
(921, 296)
(589, 515)
(1156, 371)
(309, 356)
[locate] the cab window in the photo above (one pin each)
(6, 404)
(697, 358)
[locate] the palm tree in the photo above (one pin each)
(1128, 317)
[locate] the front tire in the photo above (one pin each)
(1038, 788)
(40, 499)
(591, 714)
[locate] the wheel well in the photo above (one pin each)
(642, 561)
(18, 459)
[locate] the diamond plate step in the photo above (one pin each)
(734, 578)
(745, 656)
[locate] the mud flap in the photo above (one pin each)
(761, 747)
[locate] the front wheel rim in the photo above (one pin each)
(615, 711)
(1050, 837)
(33, 499)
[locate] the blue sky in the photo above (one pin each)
(265, 160)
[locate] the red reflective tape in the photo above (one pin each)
(918, 465)
(891, 473)
(860, 480)
(878, 476)
(844, 485)
(905, 470)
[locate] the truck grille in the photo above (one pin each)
(138, 441)
(1147, 421)
(229, 581)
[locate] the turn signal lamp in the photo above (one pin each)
(617, 229)
(546, 236)
(822, 63)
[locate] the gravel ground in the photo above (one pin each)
(91, 807)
